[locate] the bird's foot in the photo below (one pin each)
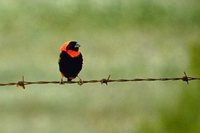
(62, 82)
(81, 82)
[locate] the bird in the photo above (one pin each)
(70, 61)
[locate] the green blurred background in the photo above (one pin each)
(124, 38)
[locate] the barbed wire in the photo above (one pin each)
(107, 80)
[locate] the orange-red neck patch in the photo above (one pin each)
(63, 46)
(73, 53)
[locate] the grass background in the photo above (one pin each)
(124, 38)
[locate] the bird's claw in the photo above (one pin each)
(81, 82)
(62, 82)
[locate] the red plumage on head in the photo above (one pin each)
(69, 52)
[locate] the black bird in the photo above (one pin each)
(71, 60)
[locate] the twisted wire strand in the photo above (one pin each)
(24, 83)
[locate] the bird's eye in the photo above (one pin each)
(77, 45)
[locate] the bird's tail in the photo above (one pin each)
(69, 79)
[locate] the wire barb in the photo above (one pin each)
(185, 78)
(21, 83)
(105, 81)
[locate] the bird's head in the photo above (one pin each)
(71, 47)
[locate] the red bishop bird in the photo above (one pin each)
(71, 60)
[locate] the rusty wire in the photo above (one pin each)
(23, 83)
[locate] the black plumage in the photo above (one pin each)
(70, 66)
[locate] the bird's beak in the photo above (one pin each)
(77, 45)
